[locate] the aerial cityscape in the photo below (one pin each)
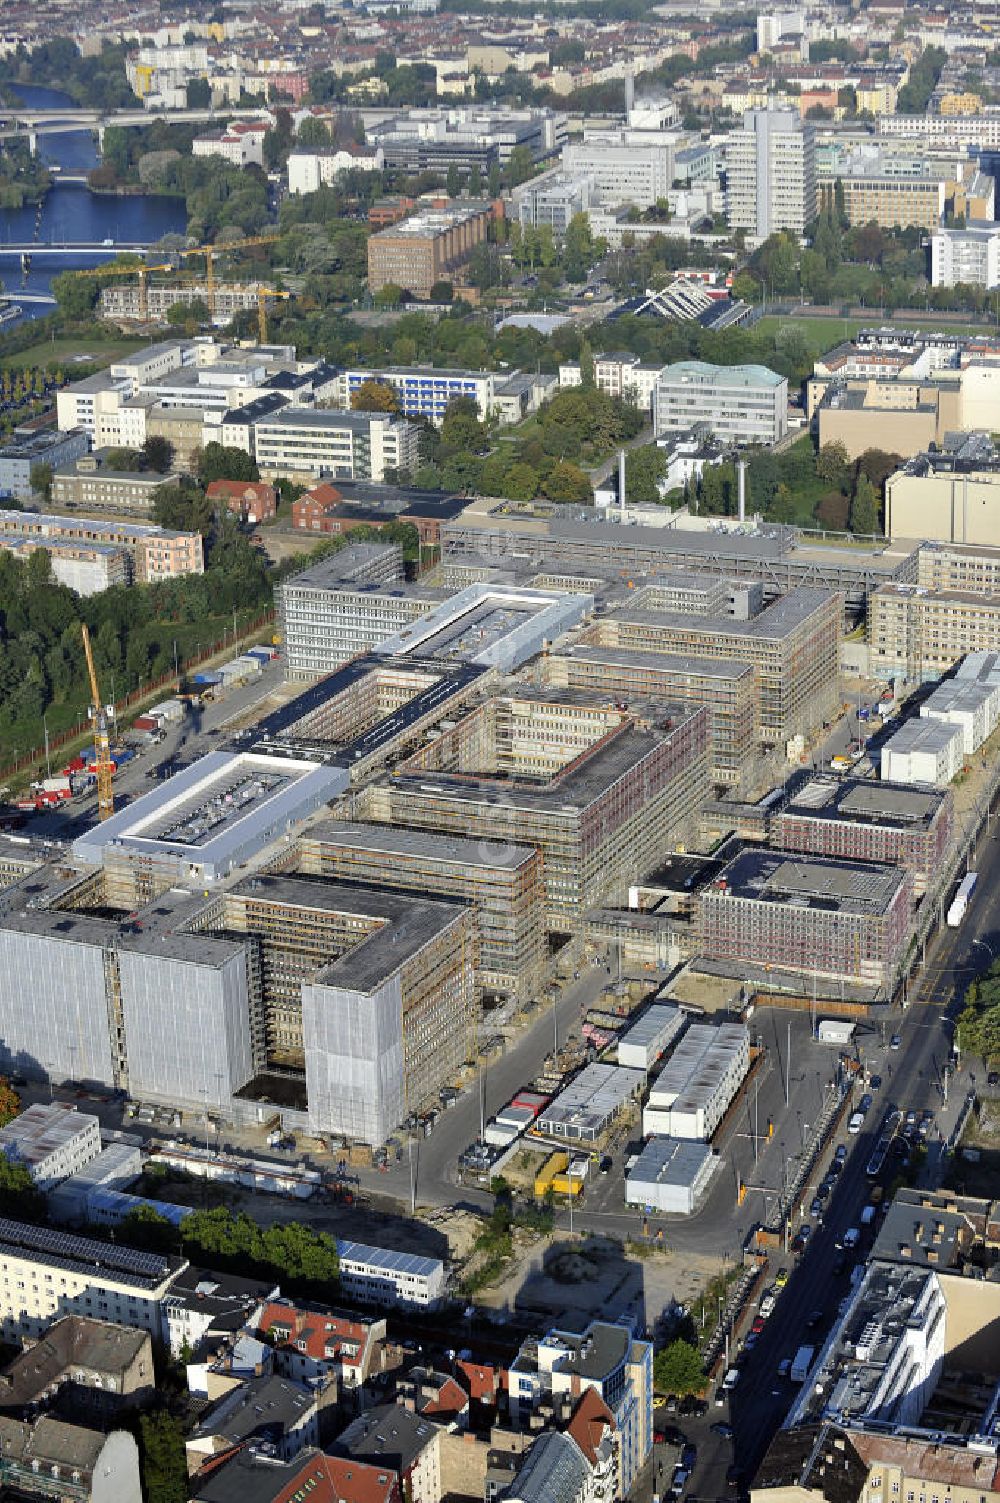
(499, 751)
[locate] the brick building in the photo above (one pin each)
(427, 247)
(251, 500)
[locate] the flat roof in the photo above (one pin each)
(214, 811)
(673, 664)
(808, 881)
(423, 845)
(403, 923)
(597, 1094)
(387, 1261)
(83, 1255)
(670, 1161)
(42, 1129)
(863, 801)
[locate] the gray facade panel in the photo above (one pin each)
(53, 1008)
(187, 1028)
(354, 1059)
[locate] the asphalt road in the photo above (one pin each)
(912, 1078)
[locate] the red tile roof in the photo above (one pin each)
(315, 1333)
(591, 1418)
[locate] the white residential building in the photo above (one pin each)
(620, 375)
(45, 1274)
(744, 404)
(378, 1276)
(311, 170)
(308, 445)
(969, 257)
(770, 174)
(242, 143)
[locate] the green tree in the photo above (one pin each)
(678, 1370)
(375, 396)
(183, 506)
(41, 480)
(566, 482)
(193, 311)
(833, 465)
(520, 483)
(645, 468)
(461, 428)
(878, 465)
(453, 181)
(224, 462)
(199, 94)
(520, 166)
(389, 295)
(20, 1199)
(158, 454)
(313, 133)
(578, 248)
(442, 292)
(864, 507)
(586, 364)
(123, 459)
(164, 1465)
(493, 179)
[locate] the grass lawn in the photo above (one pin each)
(63, 352)
(822, 334)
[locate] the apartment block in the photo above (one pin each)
(46, 1274)
(503, 882)
(600, 791)
(770, 174)
(899, 202)
(86, 568)
(304, 444)
(970, 257)
(920, 634)
(423, 390)
(90, 487)
(129, 303)
(857, 819)
(551, 1372)
(792, 648)
(843, 921)
(957, 566)
(744, 404)
(153, 553)
(381, 1276)
(427, 247)
(45, 447)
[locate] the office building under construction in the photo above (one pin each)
(602, 791)
(503, 882)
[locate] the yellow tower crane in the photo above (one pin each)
(102, 740)
(212, 252)
(142, 272)
(263, 293)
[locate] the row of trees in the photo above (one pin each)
(978, 1030)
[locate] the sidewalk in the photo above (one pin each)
(946, 1118)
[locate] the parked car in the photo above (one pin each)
(722, 1429)
(841, 1153)
(758, 1325)
(895, 1041)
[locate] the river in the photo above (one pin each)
(71, 212)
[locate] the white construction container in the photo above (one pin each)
(835, 1031)
(651, 1035)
